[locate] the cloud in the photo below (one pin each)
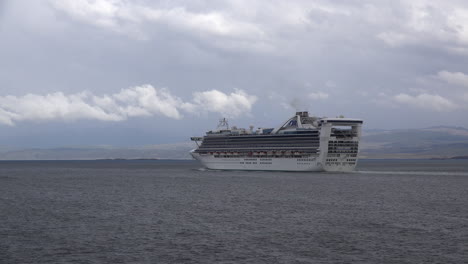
(457, 78)
(144, 100)
(330, 84)
(436, 24)
(233, 104)
(395, 39)
(113, 42)
(130, 18)
(426, 101)
(318, 95)
(262, 26)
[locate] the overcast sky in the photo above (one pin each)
(136, 72)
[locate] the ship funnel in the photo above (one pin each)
(303, 114)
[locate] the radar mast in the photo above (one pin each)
(223, 123)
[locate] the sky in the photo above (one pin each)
(138, 72)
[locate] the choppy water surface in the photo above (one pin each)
(175, 212)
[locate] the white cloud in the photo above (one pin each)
(129, 18)
(263, 26)
(318, 95)
(426, 101)
(146, 100)
(438, 24)
(233, 104)
(212, 22)
(103, 13)
(457, 78)
(395, 39)
(136, 101)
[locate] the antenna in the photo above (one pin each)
(223, 123)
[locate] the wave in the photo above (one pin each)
(433, 173)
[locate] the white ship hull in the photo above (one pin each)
(272, 164)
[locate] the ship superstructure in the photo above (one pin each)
(302, 143)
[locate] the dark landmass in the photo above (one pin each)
(460, 157)
(127, 159)
(452, 158)
(429, 143)
(166, 151)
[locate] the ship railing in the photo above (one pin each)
(311, 144)
(266, 141)
(258, 148)
(259, 153)
(246, 155)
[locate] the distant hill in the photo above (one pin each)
(165, 151)
(431, 143)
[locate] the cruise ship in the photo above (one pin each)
(302, 143)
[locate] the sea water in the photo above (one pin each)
(388, 211)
